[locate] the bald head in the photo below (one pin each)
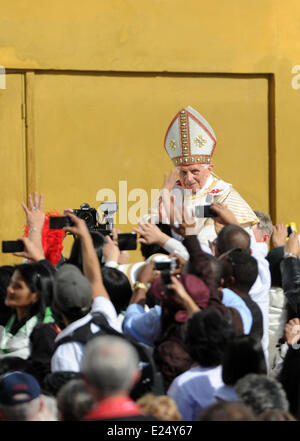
(232, 236)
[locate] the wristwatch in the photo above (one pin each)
(139, 285)
(289, 254)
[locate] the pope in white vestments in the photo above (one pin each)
(190, 142)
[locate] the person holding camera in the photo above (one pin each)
(178, 296)
(76, 296)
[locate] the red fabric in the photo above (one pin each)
(113, 407)
(51, 239)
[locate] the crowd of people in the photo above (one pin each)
(204, 327)
(80, 341)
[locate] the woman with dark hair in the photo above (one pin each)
(243, 355)
(6, 272)
(76, 254)
(26, 334)
(118, 287)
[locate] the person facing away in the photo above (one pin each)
(207, 336)
(243, 355)
(261, 392)
(233, 236)
(20, 397)
(239, 274)
(110, 370)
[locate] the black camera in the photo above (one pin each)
(12, 246)
(89, 215)
(126, 241)
(204, 211)
(165, 266)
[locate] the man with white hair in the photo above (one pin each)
(190, 142)
(110, 368)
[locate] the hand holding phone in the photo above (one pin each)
(59, 222)
(127, 241)
(12, 246)
(202, 211)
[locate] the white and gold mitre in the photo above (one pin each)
(190, 139)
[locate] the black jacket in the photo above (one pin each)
(290, 273)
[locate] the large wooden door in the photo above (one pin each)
(95, 131)
(13, 161)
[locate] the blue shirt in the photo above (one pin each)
(233, 300)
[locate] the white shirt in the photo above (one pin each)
(194, 390)
(259, 291)
(68, 356)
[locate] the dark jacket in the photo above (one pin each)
(289, 375)
(290, 273)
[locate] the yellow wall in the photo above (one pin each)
(100, 82)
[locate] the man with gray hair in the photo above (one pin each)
(110, 370)
(264, 229)
(261, 393)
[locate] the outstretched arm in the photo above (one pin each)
(91, 265)
(290, 272)
(35, 218)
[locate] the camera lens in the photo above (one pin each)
(88, 218)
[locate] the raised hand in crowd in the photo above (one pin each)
(180, 262)
(91, 267)
(35, 218)
(181, 297)
(123, 258)
(111, 251)
(279, 235)
(151, 234)
(31, 251)
(292, 245)
(292, 331)
(181, 222)
(225, 216)
(146, 275)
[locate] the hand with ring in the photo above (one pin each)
(35, 216)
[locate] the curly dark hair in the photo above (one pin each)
(207, 336)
